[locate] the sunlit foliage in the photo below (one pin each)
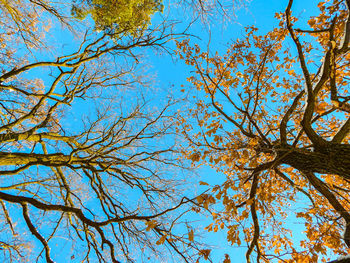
(110, 15)
(273, 115)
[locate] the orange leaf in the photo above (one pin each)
(191, 235)
(161, 240)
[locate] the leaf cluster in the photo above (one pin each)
(111, 15)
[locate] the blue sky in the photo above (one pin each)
(172, 74)
(169, 73)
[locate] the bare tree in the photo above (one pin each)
(104, 184)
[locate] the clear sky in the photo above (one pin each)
(172, 74)
(168, 74)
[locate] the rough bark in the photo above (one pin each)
(332, 159)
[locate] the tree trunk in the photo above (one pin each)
(332, 159)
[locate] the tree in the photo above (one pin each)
(274, 117)
(21, 22)
(86, 162)
(131, 16)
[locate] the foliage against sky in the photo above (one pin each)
(129, 15)
(273, 115)
(90, 168)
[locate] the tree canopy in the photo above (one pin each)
(96, 161)
(273, 115)
(125, 15)
(89, 165)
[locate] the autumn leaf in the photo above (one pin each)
(151, 224)
(195, 157)
(227, 259)
(205, 253)
(321, 107)
(274, 119)
(161, 240)
(191, 235)
(200, 199)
